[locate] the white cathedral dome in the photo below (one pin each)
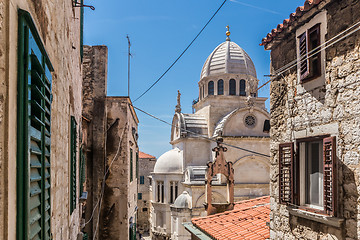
(169, 162)
(228, 57)
(183, 200)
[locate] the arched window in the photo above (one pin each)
(232, 87)
(211, 88)
(242, 87)
(220, 87)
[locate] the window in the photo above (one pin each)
(242, 87)
(142, 179)
(173, 191)
(211, 88)
(310, 64)
(220, 87)
(311, 170)
(33, 133)
(309, 180)
(232, 87)
(250, 121)
(137, 164)
(144, 209)
(131, 165)
(139, 196)
(160, 191)
(82, 170)
(72, 164)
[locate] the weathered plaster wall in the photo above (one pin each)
(330, 108)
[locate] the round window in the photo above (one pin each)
(250, 121)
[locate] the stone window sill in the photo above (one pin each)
(328, 220)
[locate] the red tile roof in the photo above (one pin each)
(247, 221)
(145, 155)
(309, 4)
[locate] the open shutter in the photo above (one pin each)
(304, 61)
(330, 176)
(286, 173)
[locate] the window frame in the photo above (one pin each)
(242, 87)
(211, 87)
(131, 166)
(142, 180)
(293, 196)
(232, 87)
(220, 89)
(304, 38)
(26, 31)
(73, 162)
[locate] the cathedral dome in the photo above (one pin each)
(183, 200)
(230, 58)
(169, 162)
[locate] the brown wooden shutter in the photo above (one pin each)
(304, 61)
(286, 173)
(330, 176)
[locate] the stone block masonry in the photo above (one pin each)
(331, 107)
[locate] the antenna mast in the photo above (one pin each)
(129, 55)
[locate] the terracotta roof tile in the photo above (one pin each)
(247, 221)
(300, 11)
(145, 155)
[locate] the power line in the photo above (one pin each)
(199, 135)
(177, 59)
(313, 52)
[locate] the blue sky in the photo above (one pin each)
(159, 31)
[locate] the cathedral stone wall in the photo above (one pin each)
(58, 25)
(331, 107)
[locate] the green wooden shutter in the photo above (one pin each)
(131, 165)
(34, 128)
(72, 164)
(82, 170)
(137, 164)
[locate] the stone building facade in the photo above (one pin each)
(315, 122)
(145, 167)
(111, 151)
(40, 117)
(229, 108)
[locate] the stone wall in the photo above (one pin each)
(94, 129)
(58, 25)
(311, 109)
(146, 166)
(120, 196)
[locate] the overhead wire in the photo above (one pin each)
(199, 135)
(312, 53)
(183, 52)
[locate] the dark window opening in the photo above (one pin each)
(232, 87)
(220, 90)
(242, 87)
(211, 88)
(266, 128)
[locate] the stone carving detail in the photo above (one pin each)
(178, 106)
(220, 165)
